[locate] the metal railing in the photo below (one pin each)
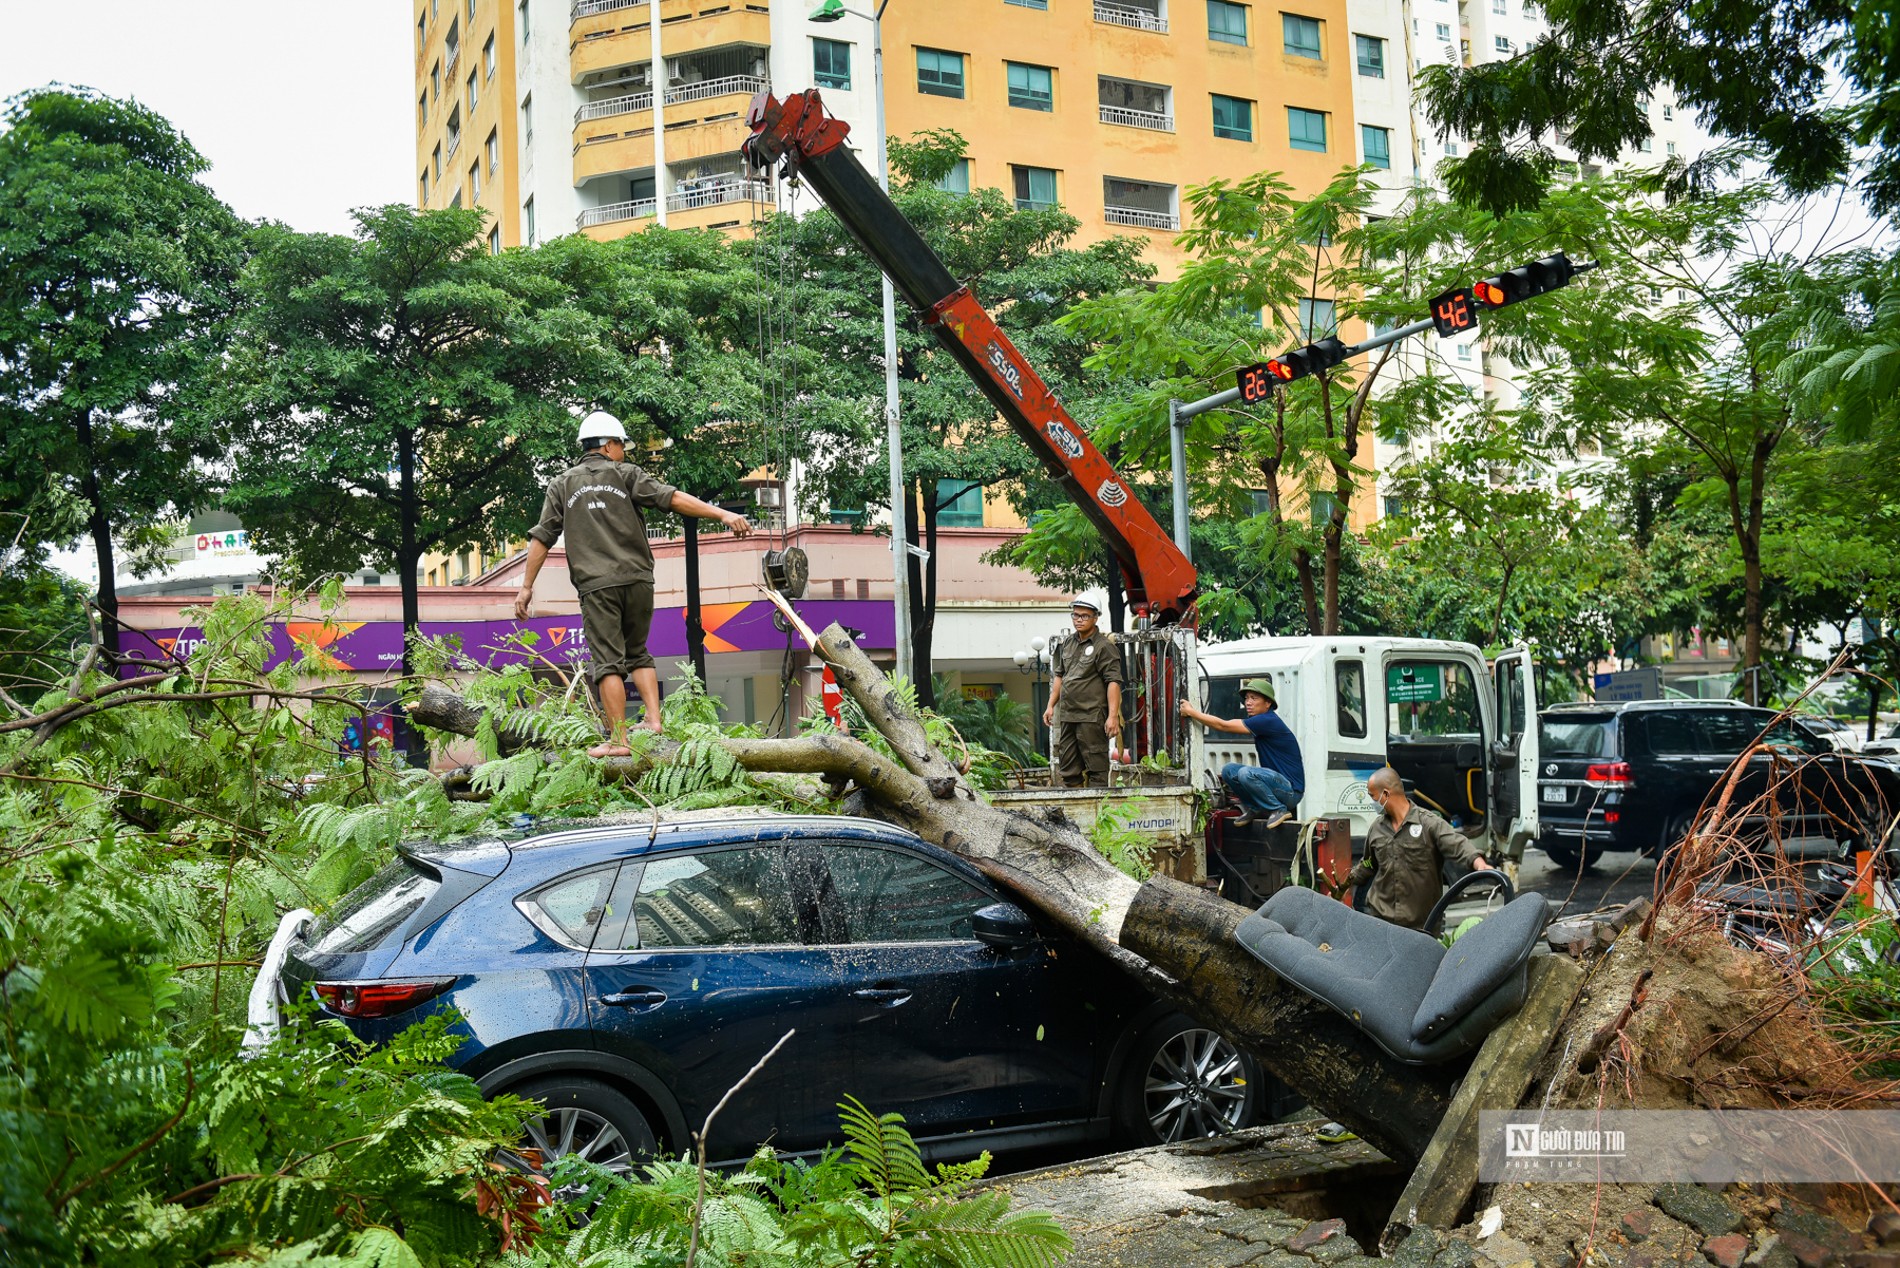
(615, 105)
(1141, 219)
(725, 84)
(715, 195)
(1130, 16)
(455, 143)
(1123, 117)
(587, 8)
(632, 210)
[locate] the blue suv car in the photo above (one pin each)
(627, 976)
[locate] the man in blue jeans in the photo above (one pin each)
(1273, 788)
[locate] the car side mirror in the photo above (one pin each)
(1004, 926)
(1467, 756)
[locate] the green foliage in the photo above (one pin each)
(871, 1205)
(1003, 725)
(1129, 849)
(116, 270)
(1857, 975)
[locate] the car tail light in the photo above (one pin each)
(379, 999)
(1612, 817)
(1604, 774)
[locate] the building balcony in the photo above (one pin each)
(628, 104)
(588, 8)
(687, 198)
(745, 85)
(1123, 117)
(1140, 219)
(1132, 16)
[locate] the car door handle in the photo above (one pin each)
(890, 997)
(634, 999)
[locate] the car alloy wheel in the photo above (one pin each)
(586, 1119)
(1195, 1085)
(579, 1133)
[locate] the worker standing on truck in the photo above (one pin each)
(1406, 850)
(1275, 786)
(596, 504)
(1085, 701)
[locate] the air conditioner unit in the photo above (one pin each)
(673, 68)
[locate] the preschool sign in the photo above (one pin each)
(376, 646)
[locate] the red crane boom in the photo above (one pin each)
(809, 142)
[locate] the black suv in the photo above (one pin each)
(1631, 776)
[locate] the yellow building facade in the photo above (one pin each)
(542, 112)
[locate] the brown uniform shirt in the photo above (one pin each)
(596, 504)
(1086, 668)
(1409, 877)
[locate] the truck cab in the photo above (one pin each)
(1461, 731)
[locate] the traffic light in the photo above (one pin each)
(1539, 277)
(1311, 359)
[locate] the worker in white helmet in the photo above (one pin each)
(1085, 700)
(596, 505)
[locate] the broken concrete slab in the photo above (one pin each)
(1693, 1204)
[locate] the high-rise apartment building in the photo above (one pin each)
(543, 111)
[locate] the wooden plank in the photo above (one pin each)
(1447, 1173)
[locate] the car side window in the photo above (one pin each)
(895, 896)
(1729, 734)
(1786, 734)
(1671, 735)
(570, 910)
(736, 896)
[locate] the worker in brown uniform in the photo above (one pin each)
(1085, 701)
(1406, 849)
(596, 505)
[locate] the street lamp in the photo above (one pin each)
(833, 11)
(1037, 656)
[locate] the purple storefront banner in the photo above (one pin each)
(376, 646)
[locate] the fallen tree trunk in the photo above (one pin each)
(1176, 939)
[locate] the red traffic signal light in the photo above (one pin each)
(1311, 359)
(1539, 277)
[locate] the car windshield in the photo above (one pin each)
(1574, 737)
(376, 909)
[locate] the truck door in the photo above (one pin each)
(1513, 757)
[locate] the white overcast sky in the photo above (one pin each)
(304, 110)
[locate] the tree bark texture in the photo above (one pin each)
(1176, 940)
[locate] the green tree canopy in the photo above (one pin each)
(116, 271)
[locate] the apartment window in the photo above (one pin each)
(957, 179)
(456, 200)
(1306, 129)
(959, 504)
(436, 164)
(1371, 51)
(1377, 143)
(527, 122)
(474, 94)
(488, 57)
(1501, 44)
(527, 221)
(475, 180)
(471, 10)
(1499, 7)
(1669, 146)
(1464, 351)
(1444, 30)
(435, 82)
(1646, 145)
(521, 20)
(1301, 35)
(423, 181)
(494, 240)
(422, 38)
(1035, 188)
(939, 74)
(1316, 319)
(831, 63)
(1028, 4)
(1322, 506)
(1031, 87)
(493, 149)
(1451, 149)
(1233, 118)
(1669, 113)
(1226, 22)
(435, 9)
(422, 110)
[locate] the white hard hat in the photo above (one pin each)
(600, 425)
(1095, 599)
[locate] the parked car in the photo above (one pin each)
(1842, 735)
(628, 976)
(1632, 776)
(1887, 745)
